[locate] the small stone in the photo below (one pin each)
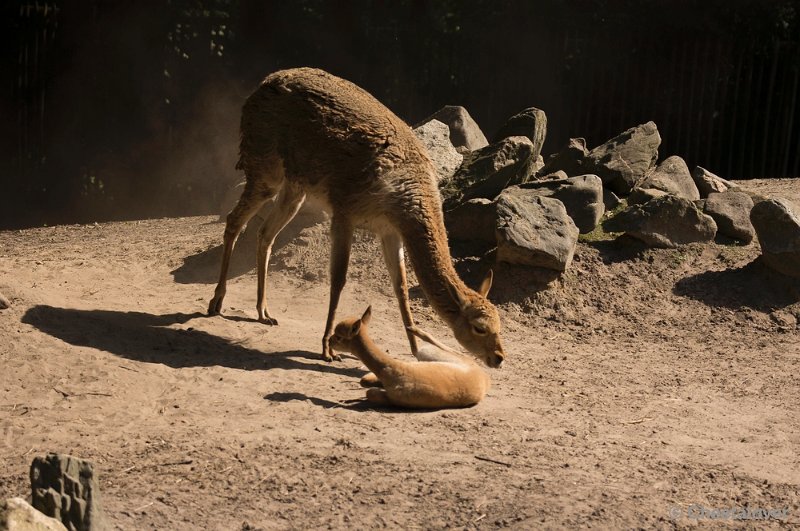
(610, 199)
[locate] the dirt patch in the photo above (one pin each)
(639, 383)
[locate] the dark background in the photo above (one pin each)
(113, 109)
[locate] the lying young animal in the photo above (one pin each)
(441, 379)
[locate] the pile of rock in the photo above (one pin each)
(64, 496)
(506, 195)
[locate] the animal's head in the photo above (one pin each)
(348, 329)
(477, 327)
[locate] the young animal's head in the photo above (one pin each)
(347, 330)
(477, 326)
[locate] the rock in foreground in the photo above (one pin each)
(571, 159)
(666, 221)
(672, 176)
(17, 515)
(709, 183)
(534, 231)
(473, 220)
(625, 159)
(530, 123)
(731, 211)
(777, 224)
(486, 172)
(66, 488)
(435, 136)
(464, 132)
(582, 197)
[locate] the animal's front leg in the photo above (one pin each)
(370, 380)
(395, 262)
(341, 239)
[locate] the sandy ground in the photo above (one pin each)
(640, 383)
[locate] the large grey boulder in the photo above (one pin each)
(777, 224)
(473, 220)
(464, 132)
(731, 212)
(667, 221)
(534, 231)
(709, 183)
(435, 136)
(486, 172)
(571, 159)
(582, 197)
(17, 515)
(531, 123)
(625, 159)
(66, 488)
(672, 176)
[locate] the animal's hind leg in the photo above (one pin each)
(377, 395)
(286, 206)
(370, 380)
(395, 262)
(252, 199)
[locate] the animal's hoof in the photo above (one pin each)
(331, 357)
(268, 321)
(215, 306)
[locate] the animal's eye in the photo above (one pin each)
(479, 330)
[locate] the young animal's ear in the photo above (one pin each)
(367, 315)
(355, 328)
(462, 303)
(486, 285)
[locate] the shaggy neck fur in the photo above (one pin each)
(425, 240)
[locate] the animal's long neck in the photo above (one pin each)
(425, 240)
(371, 355)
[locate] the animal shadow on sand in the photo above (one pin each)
(145, 337)
(359, 404)
(754, 286)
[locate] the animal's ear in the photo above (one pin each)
(367, 315)
(486, 285)
(355, 328)
(457, 297)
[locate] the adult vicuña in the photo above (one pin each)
(305, 133)
(440, 379)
